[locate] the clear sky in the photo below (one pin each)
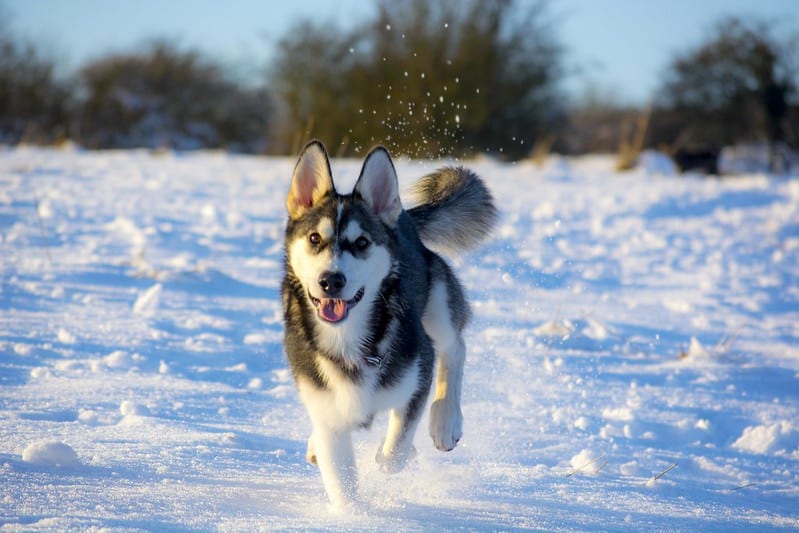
(620, 45)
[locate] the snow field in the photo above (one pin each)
(632, 363)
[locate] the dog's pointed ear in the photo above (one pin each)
(311, 181)
(378, 186)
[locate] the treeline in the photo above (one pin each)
(427, 79)
(161, 97)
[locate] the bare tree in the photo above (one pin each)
(734, 87)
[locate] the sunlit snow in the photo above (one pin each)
(633, 362)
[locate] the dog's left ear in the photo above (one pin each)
(378, 186)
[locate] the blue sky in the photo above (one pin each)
(622, 46)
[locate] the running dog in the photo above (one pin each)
(370, 309)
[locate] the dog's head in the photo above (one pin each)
(338, 246)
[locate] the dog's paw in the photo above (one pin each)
(446, 424)
(310, 452)
(395, 461)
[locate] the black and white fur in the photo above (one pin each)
(369, 308)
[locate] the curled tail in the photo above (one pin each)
(455, 210)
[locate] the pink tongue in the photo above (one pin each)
(333, 310)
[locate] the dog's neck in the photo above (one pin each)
(366, 338)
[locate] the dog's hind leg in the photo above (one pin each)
(397, 447)
(444, 317)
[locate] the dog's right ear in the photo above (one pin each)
(311, 181)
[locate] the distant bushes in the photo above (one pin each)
(448, 78)
(159, 97)
(34, 104)
(451, 78)
(166, 98)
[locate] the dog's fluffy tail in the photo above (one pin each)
(455, 210)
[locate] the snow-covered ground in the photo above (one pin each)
(633, 362)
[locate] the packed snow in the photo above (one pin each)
(633, 361)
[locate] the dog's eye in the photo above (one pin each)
(314, 238)
(362, 243)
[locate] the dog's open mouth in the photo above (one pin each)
(335, 309)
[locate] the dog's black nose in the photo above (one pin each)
(332, 282)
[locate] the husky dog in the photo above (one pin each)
(369, 309)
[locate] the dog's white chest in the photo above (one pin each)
(345, 403)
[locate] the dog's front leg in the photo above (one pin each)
(441, 321)
(446, 419)
(310, 451)
(336, 459)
